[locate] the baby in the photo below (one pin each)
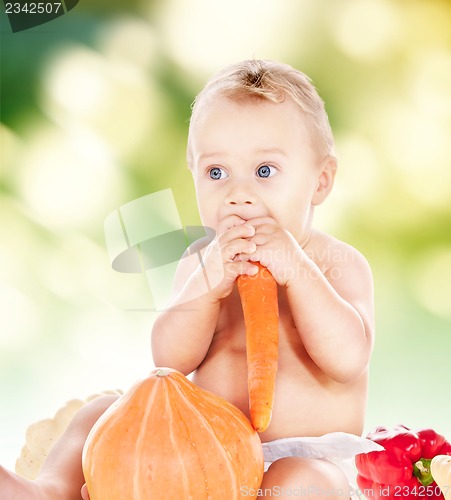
(261, 152)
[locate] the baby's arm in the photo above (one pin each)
(182, 334)
(334, 312)
(332, 308)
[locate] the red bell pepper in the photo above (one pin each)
(402, 470)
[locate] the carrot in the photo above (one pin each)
(258, 296)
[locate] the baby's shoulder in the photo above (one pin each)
(330, 252)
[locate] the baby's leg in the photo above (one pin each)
(61, 476)
(305, 477)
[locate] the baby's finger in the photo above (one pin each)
(242, 231)
(260, 221)
(229, 222)
(236, 247)
(235, 269)
(260, 238)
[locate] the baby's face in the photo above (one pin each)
(254, 159)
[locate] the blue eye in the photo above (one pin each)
(265, 171)
(217, 173)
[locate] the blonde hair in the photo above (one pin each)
(273, 81)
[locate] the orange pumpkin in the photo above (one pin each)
(167, 438)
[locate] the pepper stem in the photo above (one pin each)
(422, 471)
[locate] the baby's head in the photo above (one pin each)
(260, 145)
(272, 81)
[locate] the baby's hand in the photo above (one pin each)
(276, 249)
(221, 260)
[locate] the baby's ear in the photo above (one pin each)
(325, 180)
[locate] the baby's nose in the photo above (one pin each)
(240, 195)
(239, 202)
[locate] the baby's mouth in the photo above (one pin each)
(246, 217)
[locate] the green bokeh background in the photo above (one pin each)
(95, 107)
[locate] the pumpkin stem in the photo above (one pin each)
(163, 372)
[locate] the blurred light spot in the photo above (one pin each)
(359, 170)
(73, 268)
(366, 29)
(358, 181)
(109, 98)
(128, 40)
(204, 35)
(427, 24)
(108, 339)
(67, 178)
(19, 234)
(431, 281)
(18, 318)
(77, 82)
(78, 271)
(414, 139)
(418, 146)
(430, 83)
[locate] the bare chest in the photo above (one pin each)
(230, 326)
